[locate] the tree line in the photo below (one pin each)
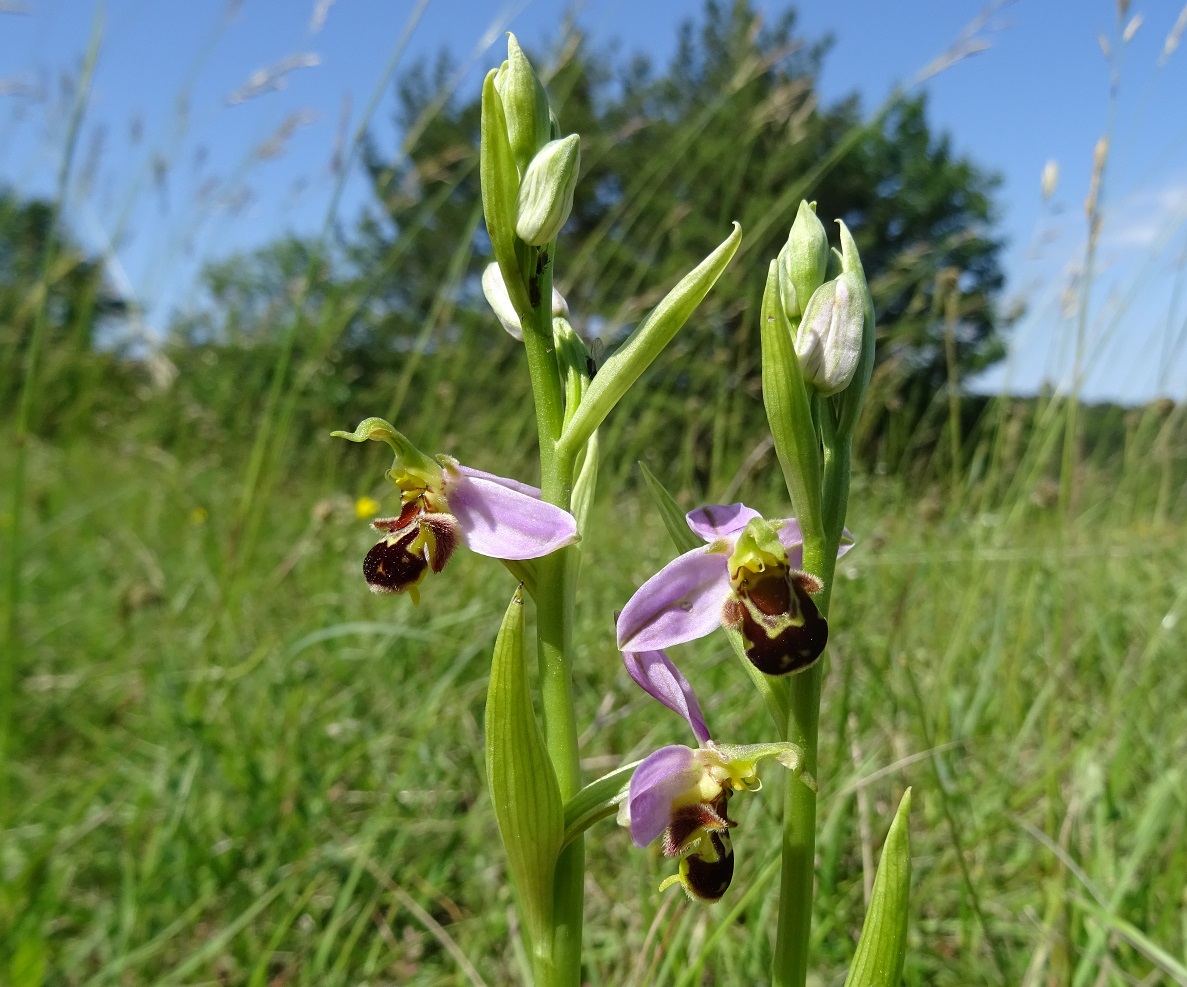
(732, 129)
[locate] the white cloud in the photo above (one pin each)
(1146, 218)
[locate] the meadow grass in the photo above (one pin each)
(279, 780)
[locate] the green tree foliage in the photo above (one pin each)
(46, 276)
(427, 205)
(732, 129)
(246, 297)
(50, 288)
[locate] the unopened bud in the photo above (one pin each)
(525, 105)
(495, 290)
(829, 340)
(803, 261)
(546, 192)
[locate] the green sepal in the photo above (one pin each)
(849, 402)
(675, 520)
(622, 369)
(500, 189)
(882, 947)
(789, 413)
(523, 785)
(597, 800)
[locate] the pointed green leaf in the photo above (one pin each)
(523, 786)
(851, 399)
(597, 800)
(500, 189)
(671, 513)
(622, 369)
(882, 947)
(788, 412)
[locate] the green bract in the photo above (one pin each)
(500, 187)
(523, 786)
(622, 369)
(788, 411)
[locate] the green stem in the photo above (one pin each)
(797, 880)
(546, 386)
(559, 962)
(796, 883)
(799, 838)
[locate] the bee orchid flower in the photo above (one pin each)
(747, 578)
(444, 503)
(683, 793)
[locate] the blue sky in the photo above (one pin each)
(169, 171)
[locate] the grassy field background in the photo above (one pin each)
(257, 772)
(228, 763)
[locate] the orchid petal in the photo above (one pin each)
(715, 521)
(679, 603)
(503, 481)
(498, 520)
(662, 777)
(847, 542)
(792, 538)
(655, 674)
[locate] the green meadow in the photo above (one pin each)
(226, 762)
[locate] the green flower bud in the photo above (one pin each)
(546, 193)
(525, 104)
(829, 339)
(495, 290)
(803, 261)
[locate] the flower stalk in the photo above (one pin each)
(818, 351)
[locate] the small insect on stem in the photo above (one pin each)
(594, 357)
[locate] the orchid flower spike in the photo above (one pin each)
(746, 578)
(443, 503)
(684, 794)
